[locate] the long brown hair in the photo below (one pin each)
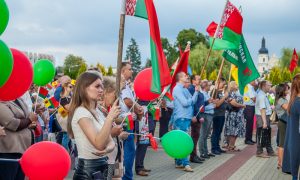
(80, 97)
(295, 90)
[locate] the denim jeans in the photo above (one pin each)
(204, 132)
(182, 124)
(218, 124)
(129, 154)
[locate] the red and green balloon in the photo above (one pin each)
(6, 63)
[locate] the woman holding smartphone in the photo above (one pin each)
(90, 129)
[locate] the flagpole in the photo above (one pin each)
(213, 41)
(218, 79)
(120, 46)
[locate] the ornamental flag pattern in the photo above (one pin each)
(130, 7)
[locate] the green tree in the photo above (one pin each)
(275, 76)
(170, 51)
(72, 64)
(133, 54)
(101, 69)
(148, 63)
(110, 71)
(213, 75)
(192, 35)
(204, 75)
(82, 69)
(286, 75)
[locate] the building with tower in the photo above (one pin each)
(265, 63)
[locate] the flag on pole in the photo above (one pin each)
(168, 97)
(154, 111)
(234, 73)
(52, 103)
(173, 67)
(160, 71)
(43, 92)
(129, 121)
(182, 66)
(241, 57)
(228, 35)
(153, 142)
(136, 8)
(49, 86)
(294, 61)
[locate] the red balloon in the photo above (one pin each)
(20, 78)
(142, 85)
(46, 160)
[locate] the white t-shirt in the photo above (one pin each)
(85, 148)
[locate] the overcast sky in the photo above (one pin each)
(90, 28)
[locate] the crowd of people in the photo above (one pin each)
(102, 146)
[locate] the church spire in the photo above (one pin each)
(263, 49)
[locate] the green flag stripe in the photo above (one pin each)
(140, 9)
(155, 85)
(231, 36)
(222, 44)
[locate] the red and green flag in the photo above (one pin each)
(241, 57)
(294, 61)
(168, 96)
(228, 35)
(154, 111)
(160, 71)
(51, 103)
(129, 121)
(153, 142)
(43, 92)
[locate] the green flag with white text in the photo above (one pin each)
(241, 57)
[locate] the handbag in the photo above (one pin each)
(119, 168)
(273, 117)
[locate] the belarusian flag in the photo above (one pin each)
(129, 121)
(168, 97)
(43, 92)
(241, 57)
(136, 8)
(160, 71)
(49, 86)
(154, 111)
(294, 61)
(228, 35)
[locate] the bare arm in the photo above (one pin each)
(235, 104)
(263, 116)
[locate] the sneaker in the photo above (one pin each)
(179, 166)
(272, 154)
(205, 156)
(216, 152)
(222, 151)
(188, 168)
(249, 142)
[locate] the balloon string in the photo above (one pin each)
(143, 135)
(37, 96)
(9, 160)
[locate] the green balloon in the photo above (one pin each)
(43, 72)
(4, 16)
(177, 144)
(6, 63)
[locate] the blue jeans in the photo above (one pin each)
(129, 154)
(218, 124)
(182, 124)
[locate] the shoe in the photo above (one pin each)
(179, 166)
(249, 142)
(211, 155)
(222, 151)
(253, 141)
(196, 159)
(142, 173)
(216, 152)
(272, 154)
(146, 170)
(205, 156)
(262, 155)
(188, 168)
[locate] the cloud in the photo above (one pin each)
(90, 28)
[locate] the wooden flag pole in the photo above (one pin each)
(214, 94)
(120, 46)
(213, 42)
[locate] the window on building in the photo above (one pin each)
(263, 59)
(264, 68)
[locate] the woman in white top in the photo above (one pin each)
(90, 129)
